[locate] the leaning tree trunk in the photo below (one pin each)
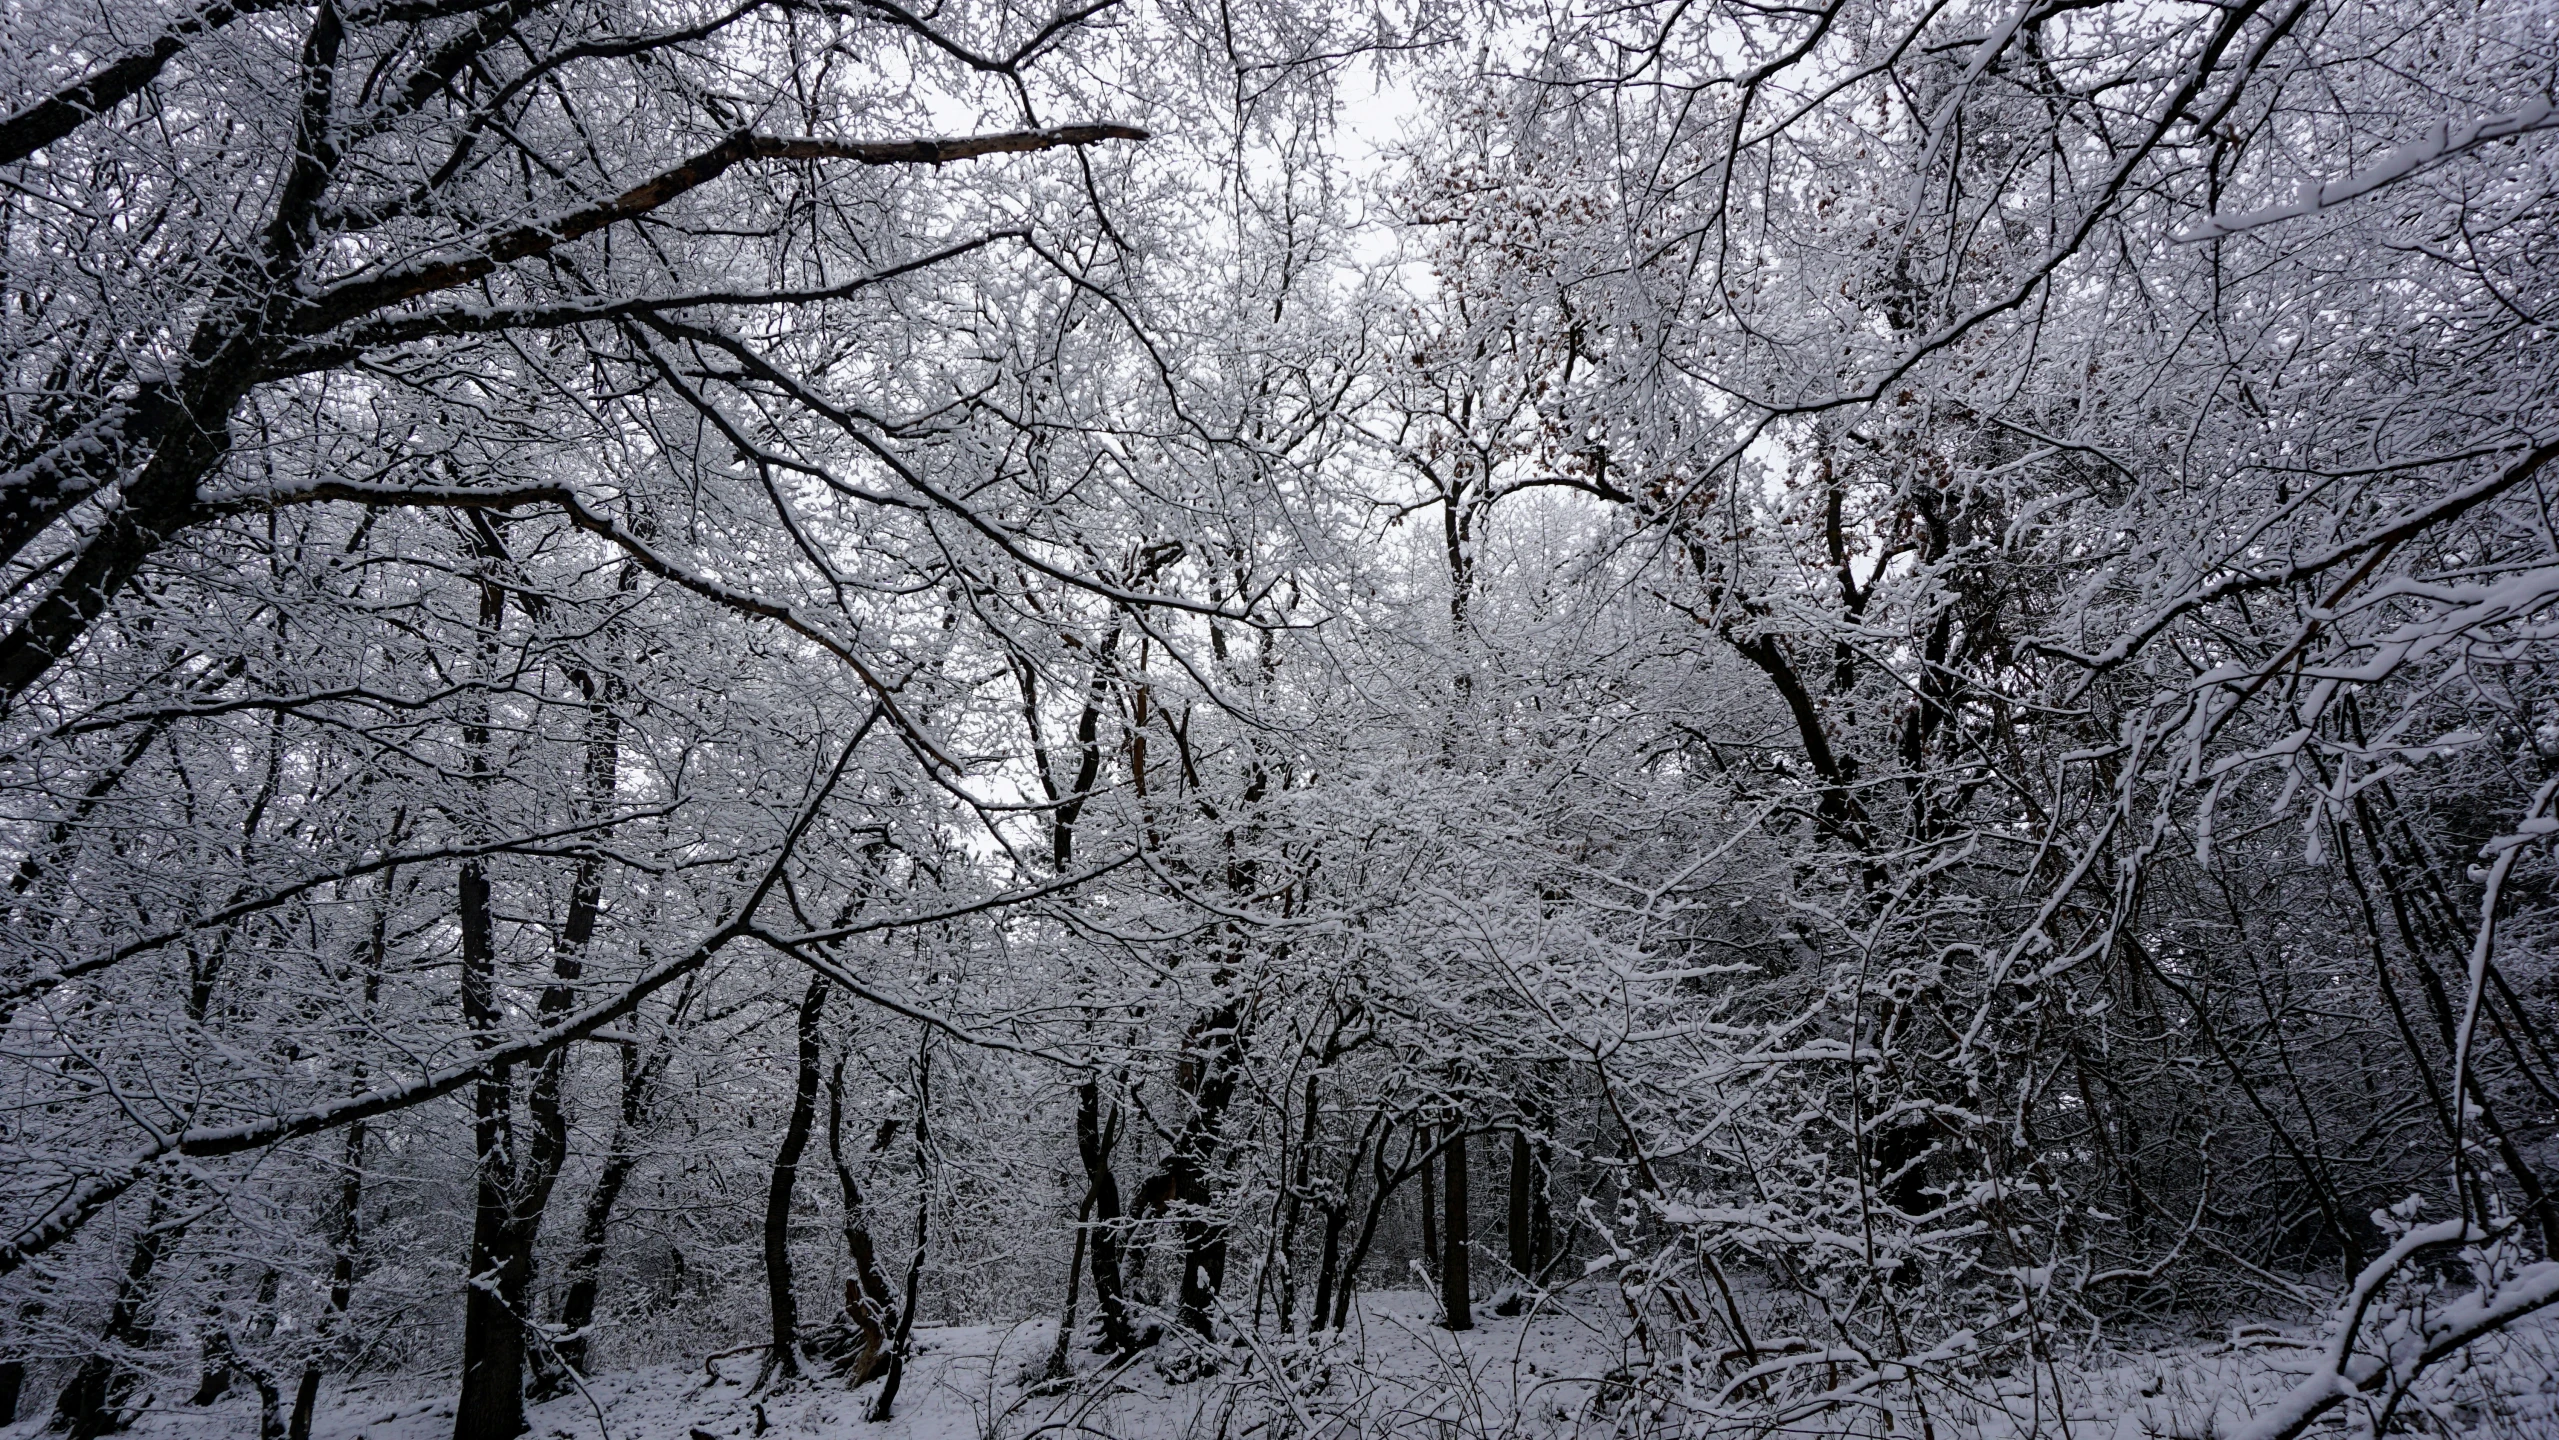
(1337, 1216)
(1382, 1185)
(586, 1264)
(895, 1373)
(552, 1367)
(783, 1359)
(342, 1242)
(92, 1403)
(1094, 1141)
(869, 1310)
(515, 1193)
(641, 1079)
(1427, 1197)
(13, 1372)
(1057, 1367)
(158, 502)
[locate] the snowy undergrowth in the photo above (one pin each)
(1565, 1371)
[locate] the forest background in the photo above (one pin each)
(1861, 683)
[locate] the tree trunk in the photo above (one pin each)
(640, 1080)
(492, 1403)
(1294, 1204)
(1194, 1155)
(784, 1358)
(1057, 1368)
(344, 1232)
(13, 1374)
(1532, 1239)
(1428, 1198)
(1094, 1143)
(491, 1406)
(1382, 1185)
(156, 504)
(91, 1403)
(1367, 1149)
(223, 1364)
(270, 1412)
(213, 1374)
(869, 1309)
(342, 1241)
(1541, 1212)
(585, 1275)
(1337, 1216)
(882, 1408)
(1455, 1288)
(527, 1197)
(1523, 1260)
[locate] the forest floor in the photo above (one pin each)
(1401, 1371)
(1397, 1374)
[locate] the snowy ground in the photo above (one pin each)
(1397, 1375)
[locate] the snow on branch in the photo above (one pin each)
(352, 298)
(2443, 141)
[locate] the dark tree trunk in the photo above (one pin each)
(492, 1402)
(270, 1410)
(1293, 1206)
(1428, 1198)
(882, 1408)
(1382, 1185)
(1057, 1368)
(1336, 1209)
(1189, 1166)
(13, 1378)
(1532, 1222)
(640, 1081)
(13, 1372)
(184, 424)
(159, 502)
(1337, 1216)
(1455, 1288)
(491, 1406)
(1523, 1256)
(585, 1273)
(213, 1374)
(223, 1364)
(1541, 1212)
(345, 1223)
(548, 1152)
(92, 1403)
(784, 1358)
(1898, 1152)
(1094, 1142)
(306, 1390)
(869, 1310)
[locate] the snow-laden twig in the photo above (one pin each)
(2345, 1375)
(2443, 141)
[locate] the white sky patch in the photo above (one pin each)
(1376, 112)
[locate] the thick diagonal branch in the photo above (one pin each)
(353, 298)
